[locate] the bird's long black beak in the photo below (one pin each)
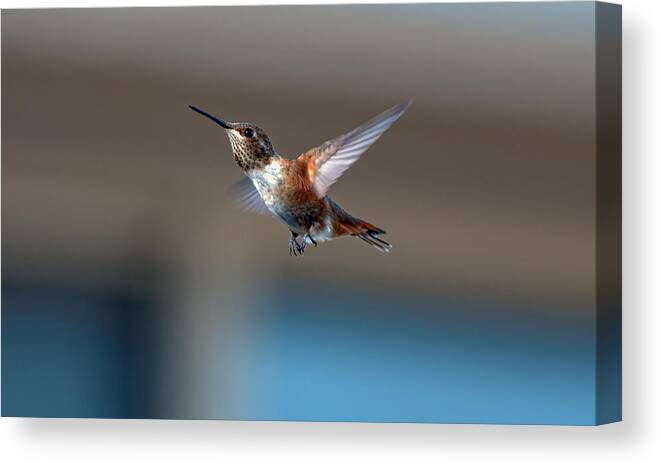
(219, 121)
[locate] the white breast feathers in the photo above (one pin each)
(266, 180)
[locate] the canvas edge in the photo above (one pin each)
(608, 114)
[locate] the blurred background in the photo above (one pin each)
(131, 287)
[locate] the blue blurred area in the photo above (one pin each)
(313, 353)
(76, 353)
(339, 357)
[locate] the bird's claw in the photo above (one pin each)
(307, 236)
(295, 248)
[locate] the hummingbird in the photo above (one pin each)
(296, 190)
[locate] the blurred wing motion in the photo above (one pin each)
(327, 162)
(247, 198)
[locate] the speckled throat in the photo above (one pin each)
(251, 153)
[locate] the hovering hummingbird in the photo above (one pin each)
(295, 191)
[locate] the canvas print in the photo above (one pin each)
(361, 213)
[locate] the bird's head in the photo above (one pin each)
(251, 146)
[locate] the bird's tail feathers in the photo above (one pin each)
(367, 232)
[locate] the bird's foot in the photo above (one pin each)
(308, 237)
(295, 248)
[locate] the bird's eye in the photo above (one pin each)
(249, 132)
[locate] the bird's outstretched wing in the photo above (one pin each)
(247, 198)
(327, 162)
